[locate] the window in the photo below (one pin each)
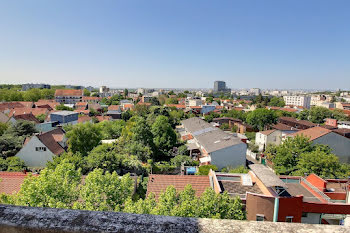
(289, 219)
(260, 217)
(40, 148)
(304, 215)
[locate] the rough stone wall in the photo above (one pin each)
(18, 219)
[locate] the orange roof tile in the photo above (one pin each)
(312, 133)
(10, 182)
(82, 119)
(158, 183)
(187, 137)
(34, 111)
(113, 107)
(63, 92)
(267, 132)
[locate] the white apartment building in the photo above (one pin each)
(296, 100)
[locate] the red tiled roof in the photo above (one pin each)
(281, 126)
(178, 106)
(63, 92)
(103, 118)
(267, 132)
(10, 182)
(82, 119)
(158, 183)
(51, 103)
(81, 104)
(49, 139)
(128, 106)
(34, 111)
(95, 98)
(82, 111)
(313, 133)
(196, 107)
(27, 117)
(113, 107)
(48, 107)
(10, 105)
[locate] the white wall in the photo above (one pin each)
(33, 158)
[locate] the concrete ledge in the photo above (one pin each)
(19, 219)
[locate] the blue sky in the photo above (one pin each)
(182, 43)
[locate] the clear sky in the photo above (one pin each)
(176, 43)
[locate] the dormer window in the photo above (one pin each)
(40, 149)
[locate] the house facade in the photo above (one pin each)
(212, 145)
(63, 96)
(264, 138)
(41, 148)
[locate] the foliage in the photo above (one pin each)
(239, 169)
(204, 170)
(104, 192)
(87, 92)
(53, 188)
(322, 163)
(181, 159)
(10, 145)
(260, 118)
(12, 164)
(62, 107)
(22, 128)
(83, 138)
(297, 156)
(224, 126)
(171, 101)
(41, 117)
(164, 137)
(3, 128)
(276, 101)
(317, 114)
(30, 95)
(111, 129)
(186, 204)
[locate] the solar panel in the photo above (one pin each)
(199, 132)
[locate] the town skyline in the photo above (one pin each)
(158, 44)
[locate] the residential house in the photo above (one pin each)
(296, 123)
(114, 114)
(24, 117)
(41, 148)
(267, 137)
(285, 129)
(68, 96)
(65, 117)
(216, 147)
(84, 119)
(158, 183)
(318, 135)
(91, 99)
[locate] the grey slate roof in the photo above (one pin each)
(211, 138)
(3, 118)
(65, 113)
(267, 177)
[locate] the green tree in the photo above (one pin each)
(126, 92)
(260, 118)
(53, 188)
(104, 191)
(204, 169)
(239, 169)
(15, 164)
(83, 138)
(87, 92)
(285, 156)
(62, 107)
(322, 163)
(276, 101)
(165, 137)
(41, 117)
(171, 101)
(111, 129)
(3, 128)
(10, 144)
(22, 128)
